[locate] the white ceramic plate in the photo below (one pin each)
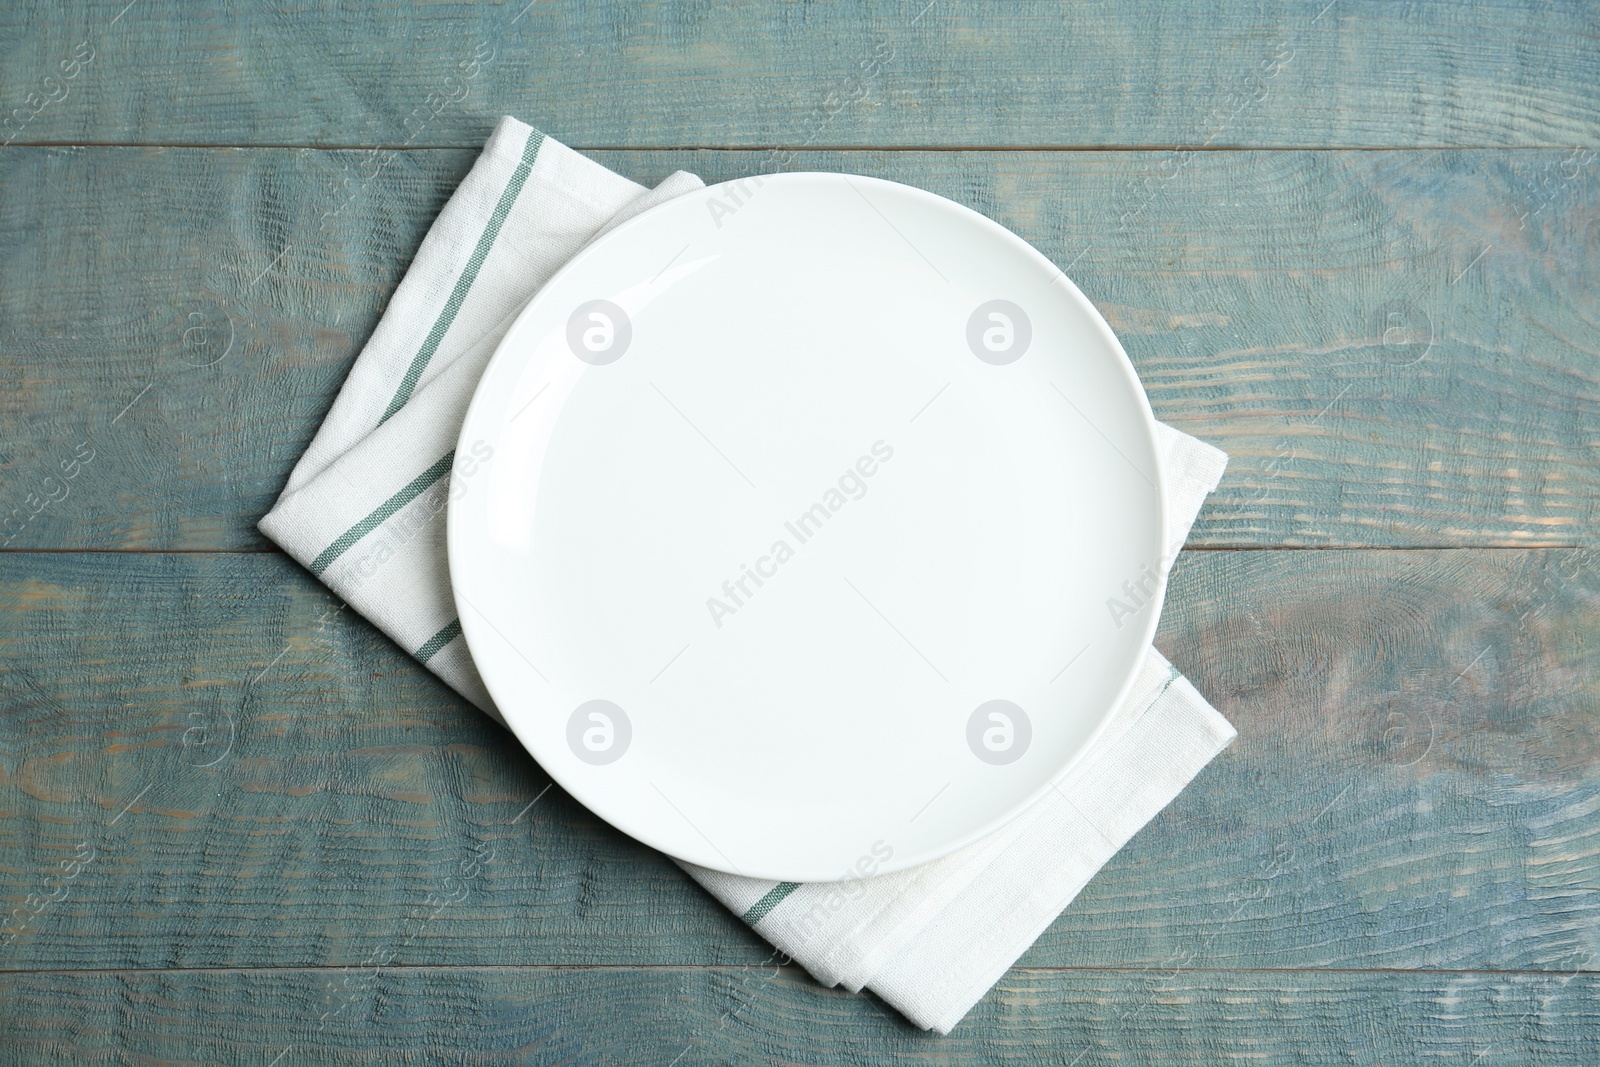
(822, 530)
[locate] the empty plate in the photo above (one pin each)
(820, 529)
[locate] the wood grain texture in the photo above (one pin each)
(765, 1015)
(908, 72)
(239, 826)
(1396, 348)
(263, 781)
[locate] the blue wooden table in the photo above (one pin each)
(1353, 243)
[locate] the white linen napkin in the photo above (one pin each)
(364, 510)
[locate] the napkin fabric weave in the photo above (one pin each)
(364, 510)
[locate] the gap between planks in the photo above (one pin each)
(848, 148)
(267, 550)
(790, 968)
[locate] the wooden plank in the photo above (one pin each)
(235, 773)
(769, 1015)
(1396, 348)
(990, 73)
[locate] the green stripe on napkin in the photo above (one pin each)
(458, 295)
(414, 488)
(450, 632)
(774, 897)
